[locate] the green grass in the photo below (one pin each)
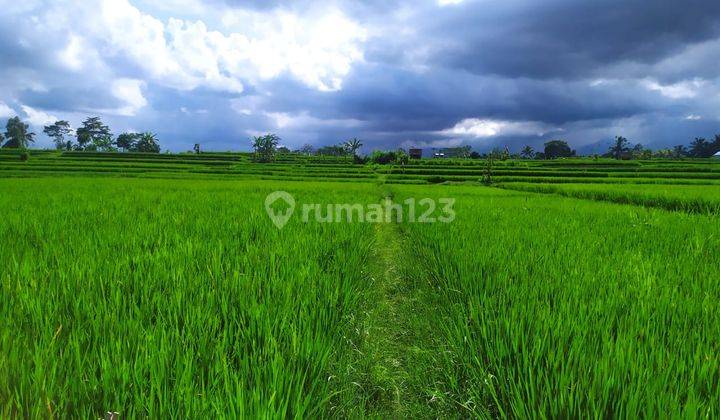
(158, 287)
(555, 307)
(163, 298)
(688, 198)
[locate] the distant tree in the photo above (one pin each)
(94, 135)
(665, 153)
(620, 147)
(496, 153)
(475, 155)
(557, 148)
(382, 158)
(680, 151)
(640, 152)
(58, 131)
(701, 148)
(527, 152)
(196, 148)
(715, 147)
(401, 158)
(283, 149)
(307, 149)
(336, 150)
(505, 153)
(352, 146)
(147, 143)
(2, 139)
(127, 141)
(18, 134)
(265, 147)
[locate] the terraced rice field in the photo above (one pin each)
(156, 285)
(321, 168)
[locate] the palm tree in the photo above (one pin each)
(680, 151)
(147, 143)
(352, 146)
(620, 147)
(700, 148)
(265, 147)
(527, 152)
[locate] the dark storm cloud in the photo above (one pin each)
(585, 70)
(565, 38)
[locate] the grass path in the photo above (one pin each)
(397, 352)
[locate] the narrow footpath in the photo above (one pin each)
(399, 333)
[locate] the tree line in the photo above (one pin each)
(266, 147)
(92, 135)
(621, 149)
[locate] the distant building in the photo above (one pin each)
(438, 155)
(717, 155)
(415, 153)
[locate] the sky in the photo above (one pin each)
(417, 73)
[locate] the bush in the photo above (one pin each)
(383, 158)
(24, 156)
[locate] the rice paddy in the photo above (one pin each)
(157, 286)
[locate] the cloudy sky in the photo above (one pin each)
(393, 73)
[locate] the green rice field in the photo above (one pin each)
(157, 286)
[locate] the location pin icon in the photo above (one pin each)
(280, 213)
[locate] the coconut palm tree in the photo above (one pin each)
(147, 143)
(352, 146)
(527, 152)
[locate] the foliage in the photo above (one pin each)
(59, 131)
(147, 143)
(127, 141)
(401, 158)
(380, 157)
(334, 150)
(679, 151)
(487, 175)
(265, 147)
(620, 148)
(18, 134)
(701, 148)
(307, 149)
(557, 148)
(352, 146)
(528, 152)
(94, 135)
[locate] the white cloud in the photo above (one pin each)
(36, 117)
(448, 2)
(70, 56)
(693, 117)
(130, 92)
(6, 111)
(304, 120)
(484, 128)
(680, 90)
(317, 47)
